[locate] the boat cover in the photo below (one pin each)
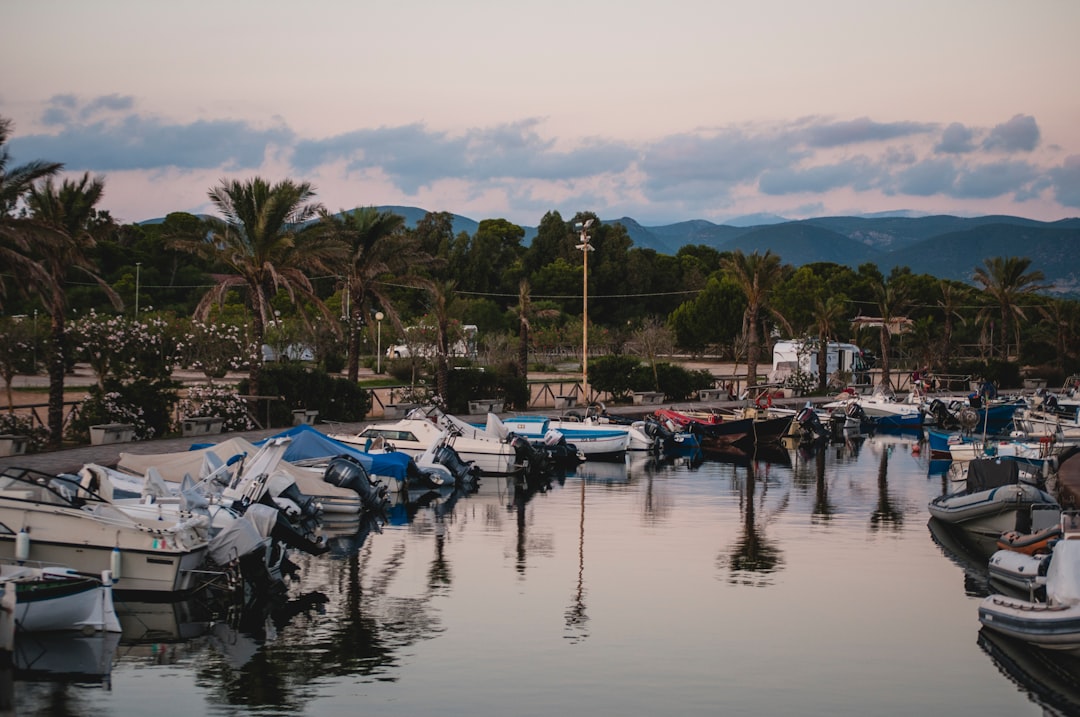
(307, 443)
(1062, 577)
(986, 473)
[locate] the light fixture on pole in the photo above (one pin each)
(585, 248)
(137, 265)
(378, 344)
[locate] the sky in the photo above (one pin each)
(660, 111)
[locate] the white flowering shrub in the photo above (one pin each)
(19, 424)
(216, 349)
(801, 383)
(210, 401)
(119, 347)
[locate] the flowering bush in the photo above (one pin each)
(216, 349)
(801, 383)
(17, 424)
(145, 404)
(118, 347)
(211, 401)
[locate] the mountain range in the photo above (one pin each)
(944, 246)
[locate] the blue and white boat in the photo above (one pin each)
(594, 441)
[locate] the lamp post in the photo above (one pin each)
(137, 265)
(378, 342)
(585, 248)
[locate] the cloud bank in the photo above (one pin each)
(515, 170)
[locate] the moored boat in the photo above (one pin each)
(1052, 623)
(55, 521)
(992, 498)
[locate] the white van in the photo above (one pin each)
(801, 355)
(462, 348)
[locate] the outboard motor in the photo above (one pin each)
(344, 471)
(558, 450)
(941, 414)
(810, 423)
(450, 459)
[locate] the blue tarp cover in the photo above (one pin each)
(307, 443)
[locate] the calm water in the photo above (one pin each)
(809, 586)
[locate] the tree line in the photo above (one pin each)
(279, 264)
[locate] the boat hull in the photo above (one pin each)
(988, 512)
(1055, 627)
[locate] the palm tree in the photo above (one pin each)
(441, 294)
(19, 232)
(524, 311)
(69, 213)
(1063, 317)
(756, 276)
(1005, 280)
(949, 303)
(377, 247)
(264, 238)
(892, 302)
(827, 315)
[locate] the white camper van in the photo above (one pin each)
(790, 357)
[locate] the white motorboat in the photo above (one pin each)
(1052, 623)
(1056, 424)
(53, 520)
(417, 433)
(242, 453)
(59, 598)
(882, 407)
(594, 441)
(991, 499)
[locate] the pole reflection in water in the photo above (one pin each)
(576, 617)
(885, 514)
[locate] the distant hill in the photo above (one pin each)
(944, 246)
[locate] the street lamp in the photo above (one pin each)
(378, 344)
(137, 265)
(585, 248)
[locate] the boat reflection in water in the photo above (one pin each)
(1051, 678)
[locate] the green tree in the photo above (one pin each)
(892, 301)
(69, 211)
(265, 240)
(1008, 283)
(756, 276)
(828, 314)
(378, 249)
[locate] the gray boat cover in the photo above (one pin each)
(987, 473)
(243, 535)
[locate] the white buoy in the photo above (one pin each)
(115, 563)
(22, 546)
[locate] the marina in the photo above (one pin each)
(648, 586)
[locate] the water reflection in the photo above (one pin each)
(577, 619)
(885, 514)
(448, 566)
(1051, 679)
(754, 557)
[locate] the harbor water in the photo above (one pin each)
(794, 582)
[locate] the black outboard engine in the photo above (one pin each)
(559, 451)
(464, 471)
(810, 423)
(344, 471)
(941, 414)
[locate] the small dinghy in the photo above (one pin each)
(1044, 531)
(1054, 622)
(992, 499)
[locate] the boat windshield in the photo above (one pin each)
(389, 434)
